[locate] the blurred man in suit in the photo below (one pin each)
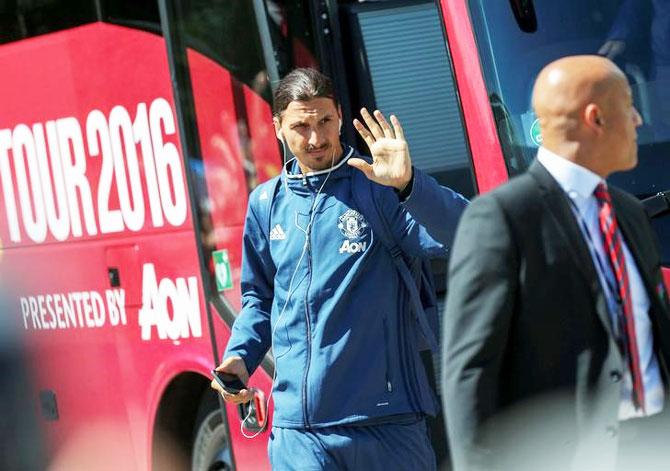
(557, 331)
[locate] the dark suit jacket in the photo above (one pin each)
(531, 370)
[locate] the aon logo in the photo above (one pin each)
(182, 321)
(353, 247)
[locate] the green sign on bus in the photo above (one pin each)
(224, 278)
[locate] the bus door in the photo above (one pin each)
(393, 56)
(226, 58)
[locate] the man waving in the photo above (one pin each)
(321, 288)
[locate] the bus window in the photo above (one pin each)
(292, 34)
(632, 33)
(25, 19)
(139, 14)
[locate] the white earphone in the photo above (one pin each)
(291, 289)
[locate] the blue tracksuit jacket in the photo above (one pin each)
(343, 339)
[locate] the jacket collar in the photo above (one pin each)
(293, 170)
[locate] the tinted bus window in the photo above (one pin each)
(140, 14)
(292, 34)
(24, 19)
(633, 33)
(226, 31)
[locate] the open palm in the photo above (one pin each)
(391, 163)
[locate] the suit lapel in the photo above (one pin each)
(557, 205)
(658, 314)
(632, 237)
(636, 246)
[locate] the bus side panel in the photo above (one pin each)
(97, 249)
(88, 138)
(97, 350)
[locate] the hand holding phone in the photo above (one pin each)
(230, 379)
(229, 382)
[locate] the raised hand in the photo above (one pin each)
(391, 164)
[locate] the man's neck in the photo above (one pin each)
(580, 155)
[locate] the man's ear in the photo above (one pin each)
(339, 115)
(277, 126)
(593, 118)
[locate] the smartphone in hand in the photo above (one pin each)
(229, 382)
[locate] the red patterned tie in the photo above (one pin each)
(612, 244)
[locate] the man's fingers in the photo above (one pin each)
(372, 124)
(365, 134)
(388, 132)
(234, 366)
(245, 395)
(399, 133)
(217, 387)
(361, 165)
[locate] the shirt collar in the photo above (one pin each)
(578, 182)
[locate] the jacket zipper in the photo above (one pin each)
(308, 325)
(389, 384)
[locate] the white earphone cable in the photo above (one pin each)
(289, 292)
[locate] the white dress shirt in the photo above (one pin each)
(579, 184)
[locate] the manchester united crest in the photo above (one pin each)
(352, 224)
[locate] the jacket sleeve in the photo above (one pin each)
(425, 223)
(482, 283)
(251, 334)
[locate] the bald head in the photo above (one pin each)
(574, 98)
(566, 86)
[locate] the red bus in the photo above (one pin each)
(132, 132)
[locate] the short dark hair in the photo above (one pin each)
(303, 84)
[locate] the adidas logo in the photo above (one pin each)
(277, 233)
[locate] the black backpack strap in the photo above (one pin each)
(364, 196)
